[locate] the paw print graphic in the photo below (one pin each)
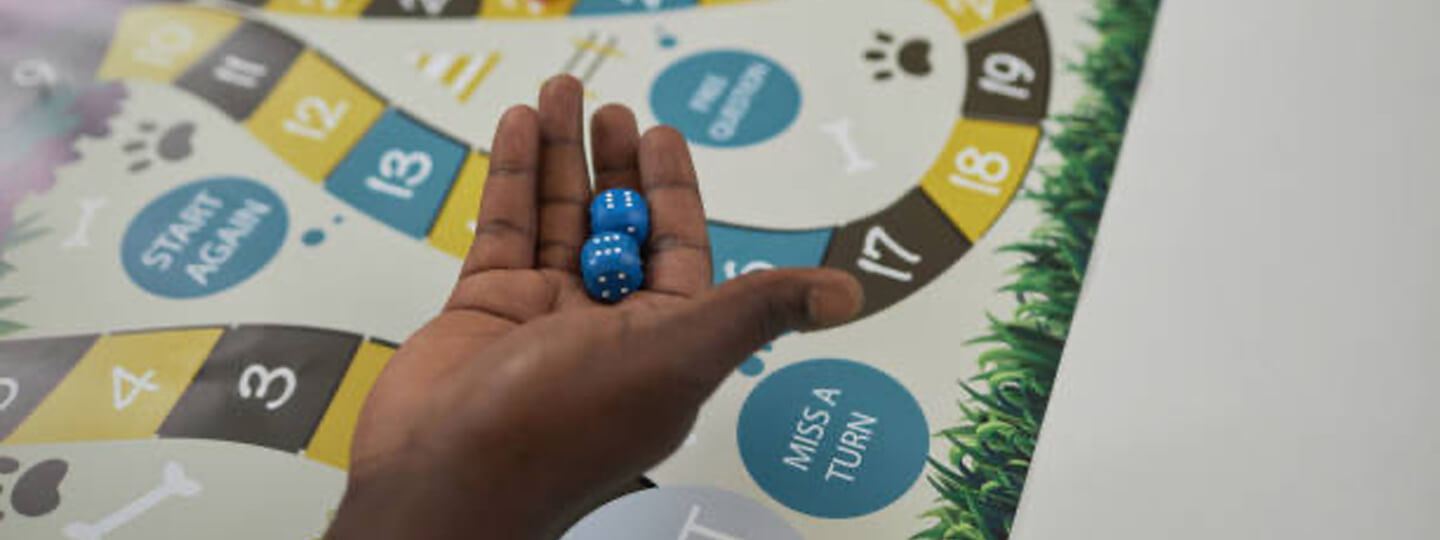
(35, 491)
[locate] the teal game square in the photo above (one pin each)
(608, 7)
(741, 250)
(399, 173)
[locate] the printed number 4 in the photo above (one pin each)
(984, 8)
(119, 377)
(870, 255)
(265, 376)
(313, 111)
(401, 173)
(980, 172)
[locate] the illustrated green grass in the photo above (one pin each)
(1002, 407)
(24, 230)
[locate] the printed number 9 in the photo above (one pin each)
(33, 72)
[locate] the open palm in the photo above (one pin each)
(525, 402)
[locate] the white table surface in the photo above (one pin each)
(1257, 353)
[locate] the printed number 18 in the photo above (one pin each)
(980, 172)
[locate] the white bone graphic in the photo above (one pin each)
(695, 530)
(88, 208)
(854, 161)
(174, 483)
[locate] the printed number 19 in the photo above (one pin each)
(1004, 75)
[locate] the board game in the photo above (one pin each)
(220, 219)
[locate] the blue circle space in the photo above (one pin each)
(726, 98)
(833, 438)
(204, 237)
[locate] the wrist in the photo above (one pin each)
(407, 504)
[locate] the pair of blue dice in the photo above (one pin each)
(610, 262)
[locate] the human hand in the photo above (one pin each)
(525, 402)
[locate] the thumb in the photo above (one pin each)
(722, 328)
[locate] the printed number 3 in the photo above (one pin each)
(12, 390)
(401, 173)
(249, 389)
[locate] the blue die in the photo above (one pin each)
(622, 211)
(610, 266)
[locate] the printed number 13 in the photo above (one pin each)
(401, 173)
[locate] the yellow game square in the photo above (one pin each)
(336, 8)
(161, 42)
(455, 228)
(975, 16)
(525, 9)
(979, 172)
(331, 443)
(123, 388)
(314, 115)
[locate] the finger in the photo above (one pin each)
(679, 248)
(505, 228)
(711, 336)
(615, 142)
(564, 177)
